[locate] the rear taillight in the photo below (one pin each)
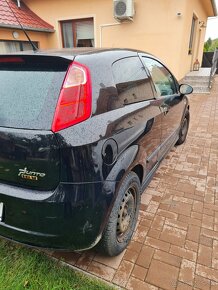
(74, 104)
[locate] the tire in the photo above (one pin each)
(184, 129)
(122, 221)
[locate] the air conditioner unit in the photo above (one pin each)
(124, 9)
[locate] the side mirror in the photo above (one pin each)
(185, 89)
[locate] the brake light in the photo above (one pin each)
(11, 60)
(74, 104)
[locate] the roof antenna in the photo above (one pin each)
(27, 36)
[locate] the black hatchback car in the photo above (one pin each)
(81, 134)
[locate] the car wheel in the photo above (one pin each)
(123, 217)
(184, 129)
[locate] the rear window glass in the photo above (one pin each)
(29, 90)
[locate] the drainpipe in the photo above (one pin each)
(103, 26)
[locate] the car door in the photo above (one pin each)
(143, 124)
(171, 103)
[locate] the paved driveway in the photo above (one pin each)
(176, 242)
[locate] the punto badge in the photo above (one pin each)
(30, 175)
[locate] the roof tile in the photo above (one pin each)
(27, 17)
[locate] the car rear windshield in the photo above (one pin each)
(29, 90)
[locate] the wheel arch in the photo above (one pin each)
(139, 171)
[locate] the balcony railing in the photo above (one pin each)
(214, 67)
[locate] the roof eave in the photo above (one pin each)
(214, 8)
(49, 30)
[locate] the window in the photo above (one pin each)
(132, 82)
(14, 46)
(31, 100)
(78, 33)
(162, 78)
(191, 41)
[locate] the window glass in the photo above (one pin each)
(162, 78)
(78, 33)
(191, 41)
(132, 82)
(14, 46)
(27, 46)
(67, 29)
(29, 91)
(85, 33)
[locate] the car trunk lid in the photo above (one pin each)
(29, 158)
(30, 88)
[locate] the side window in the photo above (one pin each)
(132, 83)
(162, 78)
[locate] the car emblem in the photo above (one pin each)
(30, 175)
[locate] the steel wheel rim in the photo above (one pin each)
(126, 214)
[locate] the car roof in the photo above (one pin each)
(72, 52)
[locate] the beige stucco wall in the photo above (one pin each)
(156, 27)
(40, 37)
(186, 60)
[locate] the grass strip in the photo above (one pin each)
(24, 268)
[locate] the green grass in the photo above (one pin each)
(24, 268)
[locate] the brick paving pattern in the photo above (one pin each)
(175, 245)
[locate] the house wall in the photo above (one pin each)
(187, 60)
(156, 27)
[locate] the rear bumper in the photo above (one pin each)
(71, 217)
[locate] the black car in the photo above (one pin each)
(81, 134)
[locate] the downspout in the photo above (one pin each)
(106, 25)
